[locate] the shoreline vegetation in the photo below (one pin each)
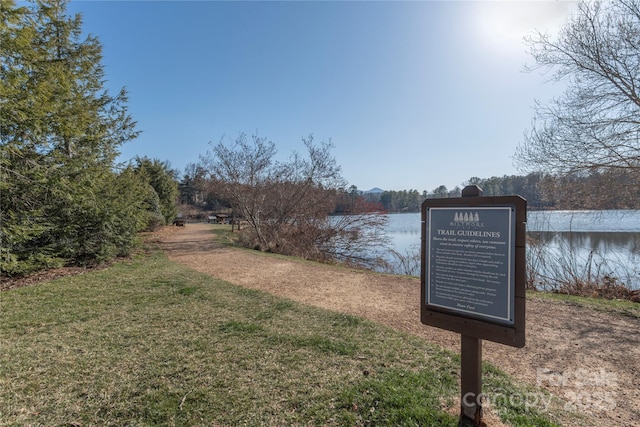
(566, 273)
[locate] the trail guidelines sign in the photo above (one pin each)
(473, 267)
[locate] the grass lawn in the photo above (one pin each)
(149, 342)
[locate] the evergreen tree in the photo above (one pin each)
(163, 182)
(60, 132)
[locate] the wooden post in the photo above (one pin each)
(471, 363)
(471, 382)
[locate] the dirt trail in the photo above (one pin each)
(587, 358)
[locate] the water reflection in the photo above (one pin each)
(601, 242)
(610, 221)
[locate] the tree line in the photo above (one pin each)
(595, 190)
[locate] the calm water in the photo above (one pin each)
(597, 242)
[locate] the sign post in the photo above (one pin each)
(473, 279)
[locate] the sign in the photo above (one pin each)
(473, 266)
(473, 279)
(471, 254)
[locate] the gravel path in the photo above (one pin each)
(589, 359)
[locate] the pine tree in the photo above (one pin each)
(60, 132)
(163, 182)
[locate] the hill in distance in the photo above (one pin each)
(374, 190)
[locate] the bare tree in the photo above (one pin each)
(594, 127)
(287, 204)
(240, 171)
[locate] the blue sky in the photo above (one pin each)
(412, 95)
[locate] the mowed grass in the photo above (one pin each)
(149, 342)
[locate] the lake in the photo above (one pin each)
(588, 243)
